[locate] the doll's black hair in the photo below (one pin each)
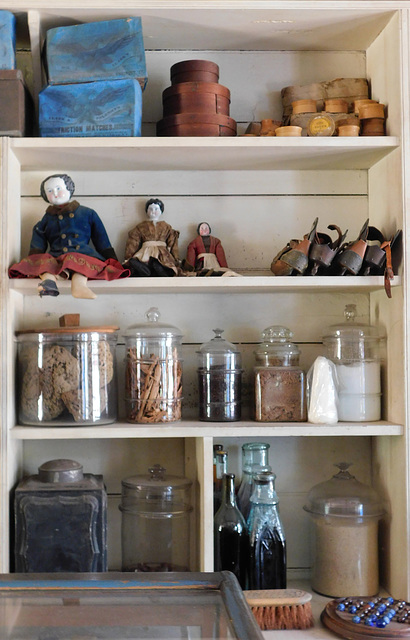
(199, 226)
(155, 201)
(67, 181)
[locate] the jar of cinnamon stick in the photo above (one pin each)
(280, 394)
(153, 371)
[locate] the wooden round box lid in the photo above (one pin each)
(336, 105)
(70, 323)
(304, 106)
(371, 110)
(194, 70)
(196, 87)
(196, 124)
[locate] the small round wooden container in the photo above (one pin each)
(371, 110)
(358, 103)
(291, 131)
(304, 106)
(196, 124)
(196, 97)
(335, 105)
(194, 71)
(373, 127)
(269, 126)
(348, 130)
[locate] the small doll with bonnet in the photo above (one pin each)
(61, 246)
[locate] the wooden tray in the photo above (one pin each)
(340, 622)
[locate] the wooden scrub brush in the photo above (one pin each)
(281, 608)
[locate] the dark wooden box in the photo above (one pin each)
(196, 97)
(194, 71)
(16, 112)
(196, 124)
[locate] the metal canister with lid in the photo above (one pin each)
(153, 376)
(61, 520)
(219, 380)
(67, 375)
(155, 526)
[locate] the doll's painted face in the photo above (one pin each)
(154, 212)
(56, 191)
(204, 229)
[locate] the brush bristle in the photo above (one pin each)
(274, 617)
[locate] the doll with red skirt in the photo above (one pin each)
(61, 246)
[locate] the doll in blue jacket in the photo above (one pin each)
(61, 246)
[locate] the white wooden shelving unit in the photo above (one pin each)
(257, 193)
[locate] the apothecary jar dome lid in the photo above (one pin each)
(351, 330)
(343, 495)
(277, 344)
(153, 328)
(218, 352)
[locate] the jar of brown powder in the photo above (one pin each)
(280, 390)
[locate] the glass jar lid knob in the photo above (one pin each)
(153, 314)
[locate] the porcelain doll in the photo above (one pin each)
(205, 254)
(60, 245)
(152, 245)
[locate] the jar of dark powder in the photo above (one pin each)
(280, 389)
(219, 380)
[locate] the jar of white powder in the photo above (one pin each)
(345, 515)
(355, 350)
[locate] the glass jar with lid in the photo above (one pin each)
(345, 514)
(280, 387)
(219, 380)
(155, 523)
(67, 374)
(355, 349)
(153, 372)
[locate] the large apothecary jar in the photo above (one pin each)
(219, 380)
(67, 374)
(345, 516)
(356, 351)
(280, 387)
(155, 524)
(153, 372)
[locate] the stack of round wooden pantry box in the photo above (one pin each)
(196, 104)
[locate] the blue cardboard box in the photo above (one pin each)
(113, 49)
(105, 108)
(7, 40)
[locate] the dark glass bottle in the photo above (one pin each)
(267, 544)
(254, 460)
(221, 467)
(231, 542)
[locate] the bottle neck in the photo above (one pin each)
(264, 493)
(221, 464)
(228, 492)
(255, 456)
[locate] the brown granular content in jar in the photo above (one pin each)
(280, 395)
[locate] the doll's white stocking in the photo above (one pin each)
(79, 287)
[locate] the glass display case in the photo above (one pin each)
(119, 606)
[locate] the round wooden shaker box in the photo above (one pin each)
(194, 71)
(196, 97)
(304, 106)
(196, 124)
(289, 132)
(335, 105)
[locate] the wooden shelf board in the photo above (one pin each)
(195, 429)
(242, 284)
(201, 153)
